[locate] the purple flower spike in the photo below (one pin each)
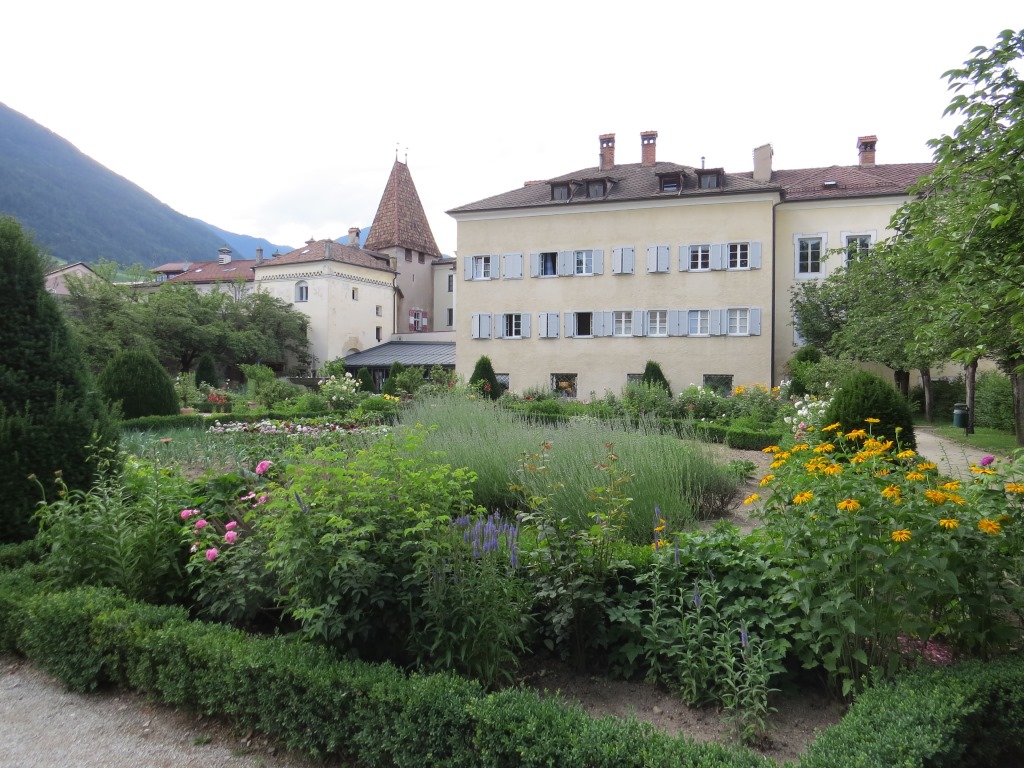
(744, 638)
(696, 595)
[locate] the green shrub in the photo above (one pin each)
(993, 401)
(945, 394)
(16, 555)
(206, 372)
(390, 385)
(654, 377)
(50, 409)
(365, 380)
(16, 588)
(864, 396)
(646, 399)
(751, 439)
(483, 377)
(817, 378)
(136, 380)
(256, 377)
(166, 423)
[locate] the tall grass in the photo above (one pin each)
(681, 478)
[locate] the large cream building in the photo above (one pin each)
(575, 282)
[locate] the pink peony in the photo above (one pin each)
(263, 466)
(262, 499)
(231, 526)
(187, 513)
(986, 460)
(211, 554)
(230, 537)
(200, 524)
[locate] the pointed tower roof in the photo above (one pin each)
(400, 220)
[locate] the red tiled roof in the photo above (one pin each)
(321, 250)
(850, 180)
(400, 220)
(214, 272)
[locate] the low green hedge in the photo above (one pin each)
(175, 421)
(751, 439)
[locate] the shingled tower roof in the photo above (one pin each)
(400, 220)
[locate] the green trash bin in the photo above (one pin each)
(960, 415)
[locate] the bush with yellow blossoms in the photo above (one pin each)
(881, 549)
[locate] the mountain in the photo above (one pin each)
(244, 246)
(78, 210)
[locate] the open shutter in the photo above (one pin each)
(717, 324)
(570, 324)
(566, 264)
(499, 325)
(754, 256)
(676, 322)
(639, 322)
(717, 256)
(467, 267)
(525, 327)
(598, 261)
(534, 265)
(426, 319)
(684, 258)
(475, 326)
(664, 255)
(754, 322)
(652, 258)
(628, 260)
(616, 261)
(412, 320)
(512, 266)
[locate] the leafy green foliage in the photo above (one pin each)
(863, 396)
(654, 377)
(49, 408)
(483, 377)
(136, 383)
(206, 372)
(365, 380)
(993, 401)
(389, 387)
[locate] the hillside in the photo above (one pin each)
(78, 210)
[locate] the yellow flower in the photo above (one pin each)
(849, 505)
(739, 390)
(1015, 487)
(881, 473)
(782, 455)
(906, 454)
(949, 523)
(766, 479)
(924, 466)
(952, 485)
(886, 445)
(891, 492)
(989, 526)
(825, 448)
(777, 463)
(981, 470)
(955, 498)
(832, 469)
(802, 497)
(857, 434)
(771, 449)
(870, 420)
(831, 427)
(752, 498)
(659, 544)
(936, 497)
(799, 447)
(900, 536)
(915, 476)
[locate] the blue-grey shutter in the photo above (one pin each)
(717, 322)
(598, 261)
(602, 323)
(534, 265)
(628, 260)
(467, 266)
(512, 266)
(652, 258)
(566, 263)
(717, 256)
(677, 322)
(542, 325)
(553, 325)
(754, 256)
(684, 258)
(616, 261)
(525, 319)
(499, 325)
(754, 322)
(639, 322)
(664, 255)
(475, 327)
(570, 325)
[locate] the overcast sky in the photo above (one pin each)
(281, 119)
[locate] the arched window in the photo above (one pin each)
(301, 291)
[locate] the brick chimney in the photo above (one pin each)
(607, 151)
(648, 144)
(866, 149)
(353, 236)
(259, 256)
(763, 163)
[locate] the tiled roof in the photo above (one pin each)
(633, 181)
(639, 182)
(426, 353)
(215, 272)
(321, 250)
(174, 266)
(850, 180)
(400, 220)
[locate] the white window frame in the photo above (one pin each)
(798, 239)
(513, 322)
(483, 267)
(301, 292)
(844, 238)
(703, 318)
(740, 318)
(622, 322)
(702, 252)
(547, 264)
(738, 255)
(583, 262)
(657, 322)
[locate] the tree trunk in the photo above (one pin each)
(1017, 380)
(926, 385)
(970, 377)
(902, 380)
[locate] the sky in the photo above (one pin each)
(283, 120)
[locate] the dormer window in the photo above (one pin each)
(709, 179)
(670, 182)
(596, 188)
(559, 191)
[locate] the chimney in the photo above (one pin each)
(259, 256)
(866, 149)
(225, 255)
(353, 236)
(648, 142)
(763, 163)
(607, 151)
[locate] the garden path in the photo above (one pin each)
(954, 459)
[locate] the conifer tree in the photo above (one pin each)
(206, 371)
(654, 376)
(365, 380)
(483, 373)
(136, 380)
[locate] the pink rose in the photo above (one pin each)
(200, 524)
(211, 554)
(262, 499)
(230, 537)
(263, 466)
(231, 526)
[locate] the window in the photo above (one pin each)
(708, 179)
(739, 256)
(670, 182)
(584, 262)
(808, 256)
(503, 380)
(634, 378)
(564, 384)
(739, 322)
(481, 267)
(595, 189)
(513, 325)
(451, 317)
(548, 264)
(301, 291)
(699, 322)
(480, 325)
(355, 294)
(700, 258)
(380, 333)
(559, 191)
(857, 246)
(420, 256)
(584, 323)
(719, 382)
(380, 311)
(408, 254)
(451, 283)
(415, 320)
(657, 322)
(622, 322)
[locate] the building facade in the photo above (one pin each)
(574, 283)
